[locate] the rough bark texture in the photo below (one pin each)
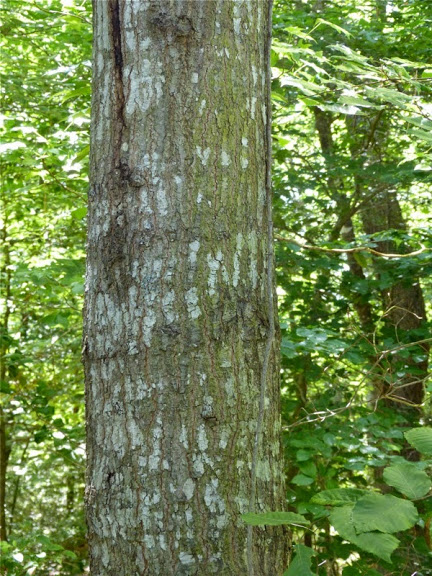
(180, 348)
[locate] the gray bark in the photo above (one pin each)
(181, 339)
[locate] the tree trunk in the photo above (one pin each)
(181, 338)
(5, 447)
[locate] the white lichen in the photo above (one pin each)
(214, 264)
(191, 298)
(183, 437)
(236, 274)
(202, 438)
(186, 559)
(225, 159)
(167, 306)
(193, 251)
(189, 488)
(203, 155)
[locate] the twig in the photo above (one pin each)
(349, 250)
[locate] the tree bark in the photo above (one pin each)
(181, 338)
(5, 445)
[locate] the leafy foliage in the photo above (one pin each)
(45, 69)
(301, 564)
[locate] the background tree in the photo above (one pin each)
(180, 337)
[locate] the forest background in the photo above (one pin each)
(352, 136)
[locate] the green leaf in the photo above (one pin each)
(421, 439)
(408, 479)
(303, 455)
(273, 519)
(5, 387)
(79, 213)
(338, 496)
(301, 564)
(296, 31)
(48, 544)
(308, 468)
(302, 480)
(422, 134)
(360, 259)
(83, 153)
(385, 513)
(357, 101)
(331, 25)
(381, 545)
(308, 88)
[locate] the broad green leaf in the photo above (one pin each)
(381, 545)
(350, 54)
(79, 213)
(422, 134)
(357, 101)
(421, 439)
(307, 88)
(331, 25)
(308, 468)
(302, 480)
(301, 563)
(385, 513)
(388, 95)
(296, 31)
(303, 455)
(338, 496)
(408, 479)
(273, 519)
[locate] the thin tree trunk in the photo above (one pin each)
(181, 338)
(5, 448)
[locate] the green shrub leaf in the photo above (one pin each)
(408, 479)
(421, 439)
(381, 545)
(385, 513)
(338, 496)
(301, 564)
(274, 519)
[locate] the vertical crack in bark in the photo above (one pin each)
(116, 36)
